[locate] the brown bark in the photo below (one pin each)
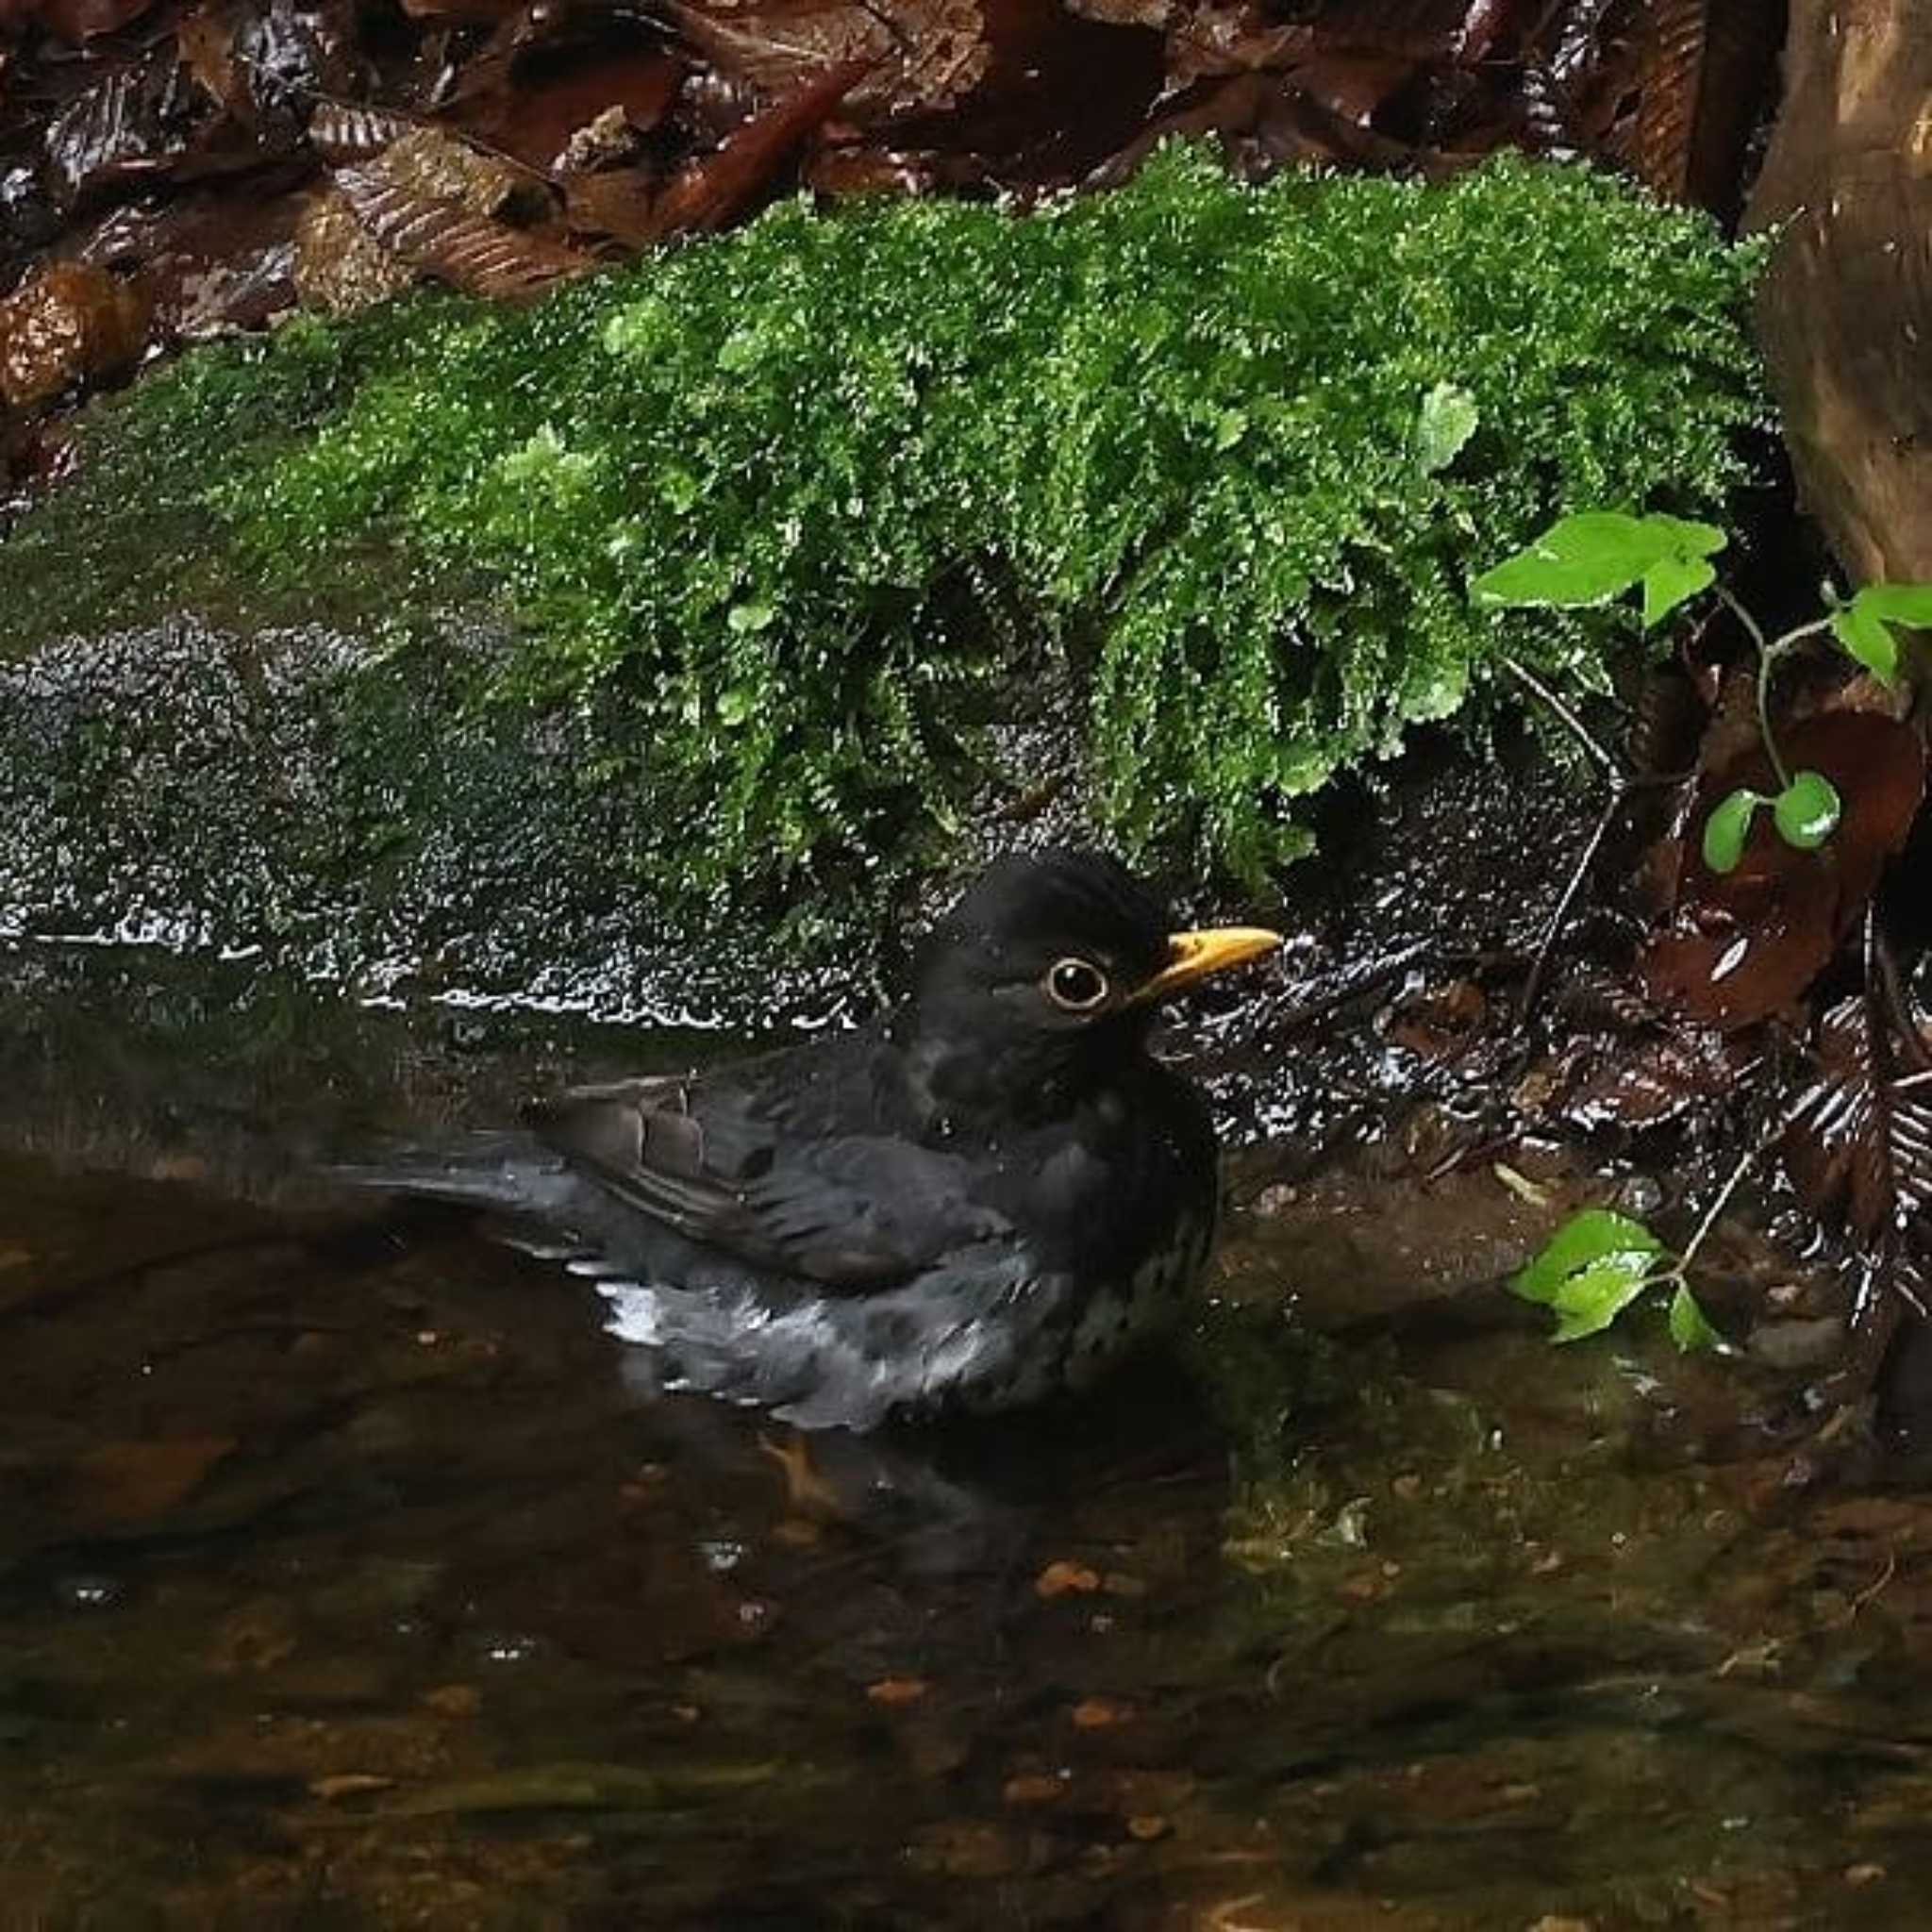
(1845, 314)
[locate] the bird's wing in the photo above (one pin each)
(853, 1210)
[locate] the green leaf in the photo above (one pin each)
(1590, 557)
(742, 618)
(1907, 604)
(1689, 1328)
(1860, 625)
(1867, 641)
(1446, 421)
(1728, 827)
(1595, 1238)
(1806, 811)
(1672, 582)
(1686, 537)
(1588, 1302)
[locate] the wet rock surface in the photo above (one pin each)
(338, 806)
(350, 809)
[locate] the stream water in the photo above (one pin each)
(349, 1577)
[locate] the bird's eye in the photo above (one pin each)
(1075, 986)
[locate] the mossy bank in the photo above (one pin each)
(779, 523)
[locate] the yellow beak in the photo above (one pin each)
(1194, 955)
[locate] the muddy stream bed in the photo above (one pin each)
(351, 1576)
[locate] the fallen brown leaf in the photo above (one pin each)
(1064, 1579)
(347, 1784)
(129, 1482)
(896, 1692)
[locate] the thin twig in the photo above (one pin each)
(1606, 759)
(1722, 1200)
(1767, 656)
(1546, 947)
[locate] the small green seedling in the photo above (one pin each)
(1599, 1262)
(1590, 559)
(1596, 1264)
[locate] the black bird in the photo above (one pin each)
(984, 1198)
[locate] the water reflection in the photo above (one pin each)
(348, 1578)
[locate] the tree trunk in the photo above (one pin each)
(1845, 314)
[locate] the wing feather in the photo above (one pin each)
(855, 1211)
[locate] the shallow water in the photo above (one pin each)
(349, 1579)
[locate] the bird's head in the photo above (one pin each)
(1050, 967)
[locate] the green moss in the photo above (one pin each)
(795, 505)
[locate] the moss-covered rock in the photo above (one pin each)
(783, 520)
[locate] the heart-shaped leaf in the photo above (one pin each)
(1907, 604)
(1861, 625)
(1596, 1236)
(1866, 640)
(1729, 827)
(1807, 812)
(1588, 1302)
(1590, 557)
(1674, 581)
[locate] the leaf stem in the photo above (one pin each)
(1680, 1272)
(1770, 651)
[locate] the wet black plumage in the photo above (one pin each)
(981, 1200)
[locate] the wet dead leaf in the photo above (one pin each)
(345, 131)
(80, 21)
(439, 236)
(545, 122)
(340, 267)
(1741, 945)
(68, 324)
(131, 1482)
(1700, 64)
(1858, 1146)
(454, 1700)
(1034, 1788)
(894, 1693)
(1063, 1579)
(347, 1784)
(132, 126)
(722, 186)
